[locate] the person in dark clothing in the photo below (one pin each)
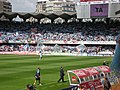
(61, 75)
(31, 87)
(37, 76)
(106, 84)
(105, 63)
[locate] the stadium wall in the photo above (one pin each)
(57, 53)
(65, 42)
(83, 42)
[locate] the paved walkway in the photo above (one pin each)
(116, 87)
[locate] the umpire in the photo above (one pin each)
(61, 75)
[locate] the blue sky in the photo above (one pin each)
(23, 5)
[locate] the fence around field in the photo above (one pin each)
(56, 53)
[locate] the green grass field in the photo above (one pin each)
(17, 71)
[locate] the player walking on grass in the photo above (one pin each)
(62, 74)
(40, 53)
(37, 77)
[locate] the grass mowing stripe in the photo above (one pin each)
(16, 71)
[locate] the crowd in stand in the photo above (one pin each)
(57, 48)
(85, 31)
(22, 33)
(11, 48)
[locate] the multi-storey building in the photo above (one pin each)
(5, 6)
(41, 6)
(55, 6)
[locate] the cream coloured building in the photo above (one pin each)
(55, 6)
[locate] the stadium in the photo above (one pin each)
(77, 41)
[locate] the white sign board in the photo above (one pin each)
(83, 10)
(114, 10)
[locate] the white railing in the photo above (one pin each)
(55, 53)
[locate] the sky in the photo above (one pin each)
(23, 5)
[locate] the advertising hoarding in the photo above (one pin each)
(99, 10)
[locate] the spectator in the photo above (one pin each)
(107, 84)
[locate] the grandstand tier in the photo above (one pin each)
(98, 36)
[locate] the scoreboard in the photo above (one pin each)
(99, 10)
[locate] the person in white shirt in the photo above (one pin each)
(40, 53)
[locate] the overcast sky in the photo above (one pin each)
(23, 5)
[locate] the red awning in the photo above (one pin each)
(104, 69)
(80, 73)
(91, 71)
(85, 72)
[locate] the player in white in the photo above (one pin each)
(40, 54)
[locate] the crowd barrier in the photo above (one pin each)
(55, 53)
(19, 53)
(79, 42)
(67, 42)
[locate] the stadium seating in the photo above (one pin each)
(15, 36)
